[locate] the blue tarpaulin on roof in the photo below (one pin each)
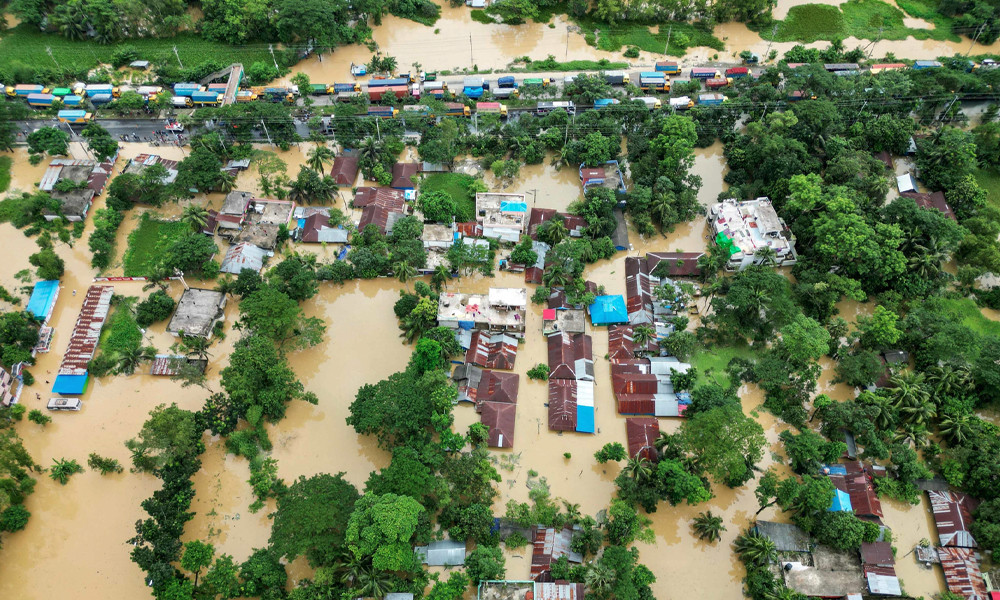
(70, 385)
(607, 310)
(835, 469)
(513, 206)
(43, 298)
(841, 502)
(585, 419)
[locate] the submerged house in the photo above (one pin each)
(502, 310)
(608, 310)
(548, 545)
(856, 481)
(10, 387)
(563, 320)
(71, 379)
(492, 351)
(243, 256)
(571, 383)
(962, 573)
(503, 216)
(442, 553)
(402, 175)
(643, 386)
(496, 401)
(608, 176)
(88, 178)
(641, 434)
(345, 170)
(953, 517)
(380, 207)
(197, 313)
(744, 228)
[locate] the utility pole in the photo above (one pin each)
(774, 32)
(378, 130)
(472, 59)
(271, 48)
(49, 50)
(178, 57)
(979, 32)
(567, 42)
(875, 41)
(266, 132)
(666, 47)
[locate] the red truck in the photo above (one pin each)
(737, 72)
(400, 91)
(717, 83)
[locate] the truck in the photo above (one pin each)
(614, 77)
(61, 91)
(407, 76)
(415, 90)
(681, 103)
(382, 112)
(23, 90)
(345, 87)
(737, 72)
(103, 88)
(184, 101)
(435, 86)
(319, 89)
(215, 87)
(205, 97)
(491, 108)
(279, 94)
(245, 96)
(698, 73)
(506, 93)
(74, 116)
(537, 82)
(506, 82)
(653, 82)
(473, 92)
(40, 100)
(925, 64)
(835, 67)
(717, 83)
(428, 76)
(475, 82)
(455, 109)
(72, 100)
(603, 102)
(711, 99)
(377, 83)
(544, 108)
(650, 102)
(399, 91)
(150, 91)
(186, 89)
(98, 99)
(882, 67)
(669, 67)
(346, 96)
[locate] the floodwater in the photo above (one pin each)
(544, 185)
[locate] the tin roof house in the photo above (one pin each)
(90, 175)
(571, 356)
(502, 310)
(492, 351)
(548, 545)
(503, 216)
(644, 387)
(641, 434)
(953, 517)
(496, 401)
(745, 227)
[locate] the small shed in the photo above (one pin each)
(877, 554)
(344, 170)
(139, 64)
(906, 183)
(197, 312)
(641, 433)
(43, 299)
(443, 553)
(608, 310)
(841, 502)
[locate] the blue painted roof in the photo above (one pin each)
(585, 419)
(607, 310)
(43, 298)
(513, 206)
(841, 502)
(835, 469)
(70, 385)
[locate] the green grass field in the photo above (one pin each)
(480, 16)
(26, 45)
(542, 66)
(612, 39)
(969, 314)
(863, 19)
(6, 163)
(989, 180)
(121, 332)
(457, 186)
(712, 362)
(148, 242)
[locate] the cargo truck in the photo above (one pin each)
(454, 109)
(415, 90)
(474, 82)
(24, 89)
(150, 91)
(407, 76)
(74, 116)
(279, 94)
(378, 83)
(103, 88)
(346, 96)
(650, 102)
(653, 82)
(603, 102)
(185, 101)
(98, 99)
(319, 89)
(537, 82)
(925, 64)
(491, 108)
(506, 93)
(40, 100)
(835, 67)
(717, 83)
(382, 112)
(217, 87)
(431, 76)
(345, 87)
(681, 103)
(614, 77)
(668, 67)
(72, 100)
(205, 98)
(186, 89)
(697, 73)
(472, 92)
(399, 91)
(544, 108)
(435, 86)
(737, 72)
(711, 99)
(506, 82)
(245, 96)
(61, 91)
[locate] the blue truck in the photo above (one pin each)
(186, 89)
(205, 97)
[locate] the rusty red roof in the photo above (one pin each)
(859, 487)
(493, 351)
(498, 387)
(470, 229)
(962, 573)
(682, 264)
(877, 553)
(369, 195)
(562, 404)
(539, 216)
(620, 344)
(953, 516)
(548, 545)
(378, 210)
(932, 200)
(401, 174)
(641, 433)
(559, 590)
(87, 330)
(571, 356)
(500, 417)
(344, 170)
(638, 291)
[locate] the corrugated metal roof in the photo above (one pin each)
(243, 256)
(562, 404)
(571, 356)
(641, 433)
(87, 330)
(500, 418)
(549, 545)
(558, 590)
(492, 351)
(498, 387)
(962, 572)
(883, 585)
(43, 299)
(953, 516)
(442, 553)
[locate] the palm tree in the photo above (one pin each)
(908, 390)
(572, 512)
(885, 416)
(641, 336)
(708, 526)
(927, 258)
(949, 380)
(555, 276)
(956, 428)
(159, 275)
(193, 344)
(662, 441)
(373, 583)
(661, 209)
(319, 157)
(765, 255)
(404, 271)
(599, 578)
(911, 432)
(919, 414)
(554, 232)
(129, 359)
(440, 277)
(755, 549)
(369, 150)
(348, 568)
(639, 468)
(196, 216)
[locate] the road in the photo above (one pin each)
(134, 129)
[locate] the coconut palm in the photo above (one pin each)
(639, 468)
(661, 209)
(319, 157)
(193, 344)
(348, 568)
(553, 232)
(911, 432)
(369, 150)
(374, 583)
(159, 276)
(572, 512)
(128, 360)
(927, 258)
(404, 271)
(599, 578)
(708, 526)
(196, 216)
(755, 549)
(227, 182)
(765, 255)
(919, 414)
(555, 276)
(440, 277)
(956, 428)
(641, 336)
(948, 380)
(884, 416)
(908, 390)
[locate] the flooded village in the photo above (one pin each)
(856, 366)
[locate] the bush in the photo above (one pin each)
(632, 52)
(17, 411)
(14, 518)
(539, 371)
(63, 469)
(123, 55)
(37, 416)
(156, 307)
(106, 466)
(611, 451)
